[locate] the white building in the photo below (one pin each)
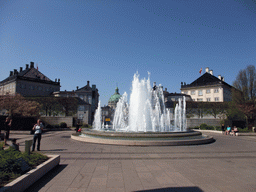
(208, 88)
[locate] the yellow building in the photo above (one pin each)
(208, 88)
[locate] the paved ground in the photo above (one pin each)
(229, 164)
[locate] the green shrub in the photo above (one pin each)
(56, 126)
(10, 168)
(63, 125)
(49, 126)
(243, 129)
(218, 128)
(203, 126)
(85, 125)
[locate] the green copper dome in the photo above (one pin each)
(115, 98)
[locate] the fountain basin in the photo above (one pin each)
(143, 138)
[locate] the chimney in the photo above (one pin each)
(55, 79)
(211, 72)
(181, 83)
(219, 76)
(165, 89)
(58, 80)
(15, 72)
(88, 83)
(77, 87)
(94, 87)
(20, 69)
(207, 69)
(11, 73)
(31, 64)
(26, 66)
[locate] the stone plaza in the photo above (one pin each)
(228, 164)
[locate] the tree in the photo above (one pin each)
(245, 95)
(49, 105)
(195, 108)
(246, 83)
(216, 109)
(69, 104)
(16, 105)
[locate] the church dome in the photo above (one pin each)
(115, 98)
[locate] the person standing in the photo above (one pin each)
(38, 128)
(7, 127)
(77, 127)
(223, 128)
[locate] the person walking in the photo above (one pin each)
(38, 128)
(77, 126)
(7, 127)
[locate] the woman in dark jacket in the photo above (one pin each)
(7, 127)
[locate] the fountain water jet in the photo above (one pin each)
(144, 121)
(146, 112)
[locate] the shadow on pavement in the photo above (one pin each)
(46, 178)
(55, 150)
(174, 189)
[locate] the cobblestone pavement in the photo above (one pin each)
(229, 164)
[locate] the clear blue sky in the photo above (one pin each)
(107, 41)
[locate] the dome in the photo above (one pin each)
(115, 98)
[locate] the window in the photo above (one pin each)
(193, 92)
(199, 99)
(200, 92)
(90, 99)
(216, 90)
(185, 92)
(81, 108)
(81, 97)
(208, 90)
(208, 99)
(80, 116)
(216, 98)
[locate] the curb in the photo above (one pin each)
(220, 132)
(24, 181)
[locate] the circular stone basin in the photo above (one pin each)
(143, 138)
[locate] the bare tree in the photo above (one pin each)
(246, 83)
(245, 95)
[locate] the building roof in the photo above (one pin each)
(30, 74)
(115, 97)
(205, 79)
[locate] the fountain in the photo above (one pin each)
(144, 120)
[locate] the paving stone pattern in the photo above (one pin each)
(229, 164)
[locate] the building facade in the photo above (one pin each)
(208, 88)
(89, 97)
(28, 82)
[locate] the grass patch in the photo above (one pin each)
(10, 168)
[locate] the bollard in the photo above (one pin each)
(28, 144)
(1, 145)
